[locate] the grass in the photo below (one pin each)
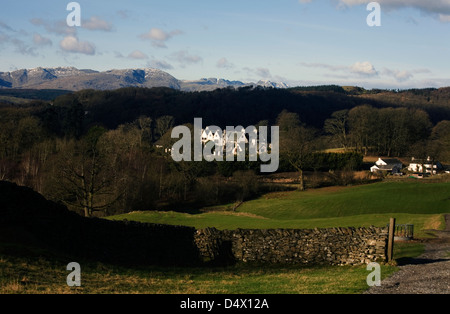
(41, 276)
(14, 100)
(28, 270)
(31, 271)
(418, 203)
(405, 251)
(227, 220)
(380, 198)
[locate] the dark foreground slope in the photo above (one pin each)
(26, 217)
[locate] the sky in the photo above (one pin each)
(299, 42)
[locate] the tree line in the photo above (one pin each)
(104, 152)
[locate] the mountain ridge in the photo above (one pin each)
(73, 79)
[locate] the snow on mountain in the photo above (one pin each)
(70, 78)
(270, 84)
(214, 83)
(205, 84)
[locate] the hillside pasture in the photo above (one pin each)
(418, 203)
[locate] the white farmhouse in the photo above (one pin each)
(391, 165)
(424, 166)
(234, 141)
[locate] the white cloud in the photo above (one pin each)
(364, 69)
(434, 6)
(261, 73)
(404, 75)
(160, 64)
(41, 40)
(4, 38)
(19, 45)
(124, 13)
(184, 58)
(223, 63)
(23, 48)
(444, 18)
(73, 45)
(156, 34)
(96, 24)
(57, 27)
(325, 66)
(118, 54)
(359, 68)
(400, 76)
(437, 8)
(6, 27)
(137, 55)
(13, 38)
(159, 36)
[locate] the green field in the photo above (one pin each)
(418, 203)
(28, 271)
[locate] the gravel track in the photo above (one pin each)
(426, 274)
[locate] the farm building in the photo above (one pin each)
(235, 141)
(424, 166)
(390, 165)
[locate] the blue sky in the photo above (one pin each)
(301, 42)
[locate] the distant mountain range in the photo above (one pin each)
(73, 79)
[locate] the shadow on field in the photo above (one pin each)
(27, 218)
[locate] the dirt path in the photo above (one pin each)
(426, 274)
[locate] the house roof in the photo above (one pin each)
(391, 161)
(387, 167)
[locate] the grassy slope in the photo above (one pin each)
(417, 203)
(26, 270)
(384, 197)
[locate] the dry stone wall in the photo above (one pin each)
(54, 226)
(333, 246)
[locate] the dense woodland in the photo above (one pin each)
(97, 151)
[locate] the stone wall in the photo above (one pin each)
(333, 246)
(25, 212)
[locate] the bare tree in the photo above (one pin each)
(144, 126)
(83, 177)
(337, 126)
(163, 125)
(361, 127)
(296, 143)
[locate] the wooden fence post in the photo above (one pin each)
(390, 252)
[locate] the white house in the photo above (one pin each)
(391, 165)
(234, 141)
(418, 165)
